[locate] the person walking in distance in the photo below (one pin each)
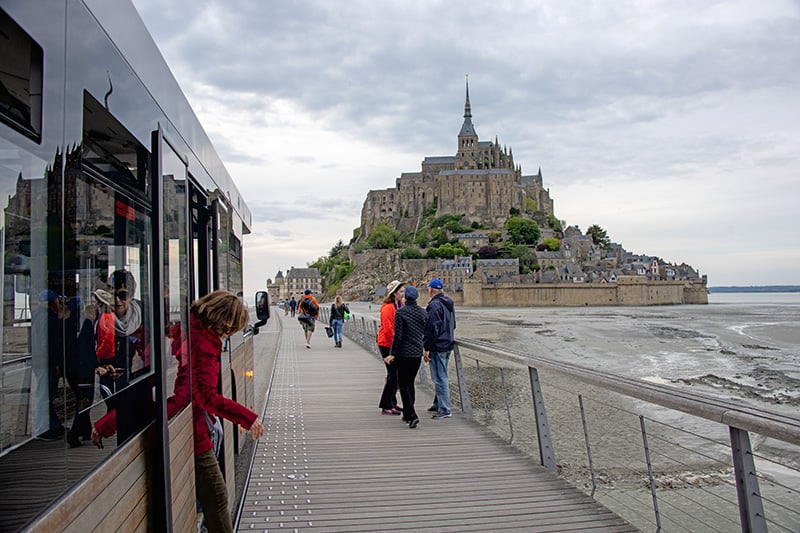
(293, 306)
(395, 295)
(308, 312)
(338, 309)
(438, 342)
(409, 329)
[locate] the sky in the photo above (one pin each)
(673, 125)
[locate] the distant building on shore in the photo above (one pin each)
(295, 283)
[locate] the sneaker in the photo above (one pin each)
(308, 346)
(414, 422)
(432, 409)
(396, 410)
(388, 412)
(51, 435)
(439, 417)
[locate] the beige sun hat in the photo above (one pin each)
(104, 297)
(393, 286)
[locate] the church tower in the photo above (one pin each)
(467, 157)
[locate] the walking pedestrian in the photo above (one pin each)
(338, 309)
(438, 343)
(309, 311)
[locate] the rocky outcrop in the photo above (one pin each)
(372, 270)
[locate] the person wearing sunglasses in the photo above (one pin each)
(122, 359)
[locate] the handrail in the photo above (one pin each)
(770, 424)
(740, 419)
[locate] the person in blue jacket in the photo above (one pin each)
(438, 343)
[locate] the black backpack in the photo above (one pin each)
(309, 306)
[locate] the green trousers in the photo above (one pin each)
(212, 493)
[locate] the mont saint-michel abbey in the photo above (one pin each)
(481, 181)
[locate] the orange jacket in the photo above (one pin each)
(308, 296)
(386, 331)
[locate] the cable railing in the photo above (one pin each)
(661, 457)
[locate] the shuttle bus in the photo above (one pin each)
(114, 202)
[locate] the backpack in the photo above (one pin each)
(309, 306)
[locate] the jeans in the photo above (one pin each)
(438, 366)
(337, 324)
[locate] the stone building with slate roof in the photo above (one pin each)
(295, 283)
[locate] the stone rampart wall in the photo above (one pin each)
(584, 294)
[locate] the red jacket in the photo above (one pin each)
(104, 335)
(386, 331)
(206, 350)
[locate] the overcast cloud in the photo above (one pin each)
(673, 125)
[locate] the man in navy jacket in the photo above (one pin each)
(438, 343)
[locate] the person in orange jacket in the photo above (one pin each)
(308, 309)
(395, 292)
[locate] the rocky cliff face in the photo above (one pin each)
(373, 270)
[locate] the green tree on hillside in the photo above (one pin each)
(522, 230)
(529, 205)
(599, 235)
(383, 236)
(551, 244)
(337, 248)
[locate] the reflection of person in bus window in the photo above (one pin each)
(129, 359)
(48, 338)
(117, 357)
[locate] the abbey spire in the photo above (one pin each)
(467, 139)
(467, 129)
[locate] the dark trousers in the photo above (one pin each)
(389, 394)
(407, 368)
(212, 493)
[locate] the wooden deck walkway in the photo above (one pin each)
(330, 461)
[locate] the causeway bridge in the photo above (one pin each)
(331, 461)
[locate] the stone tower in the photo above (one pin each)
(467, 140)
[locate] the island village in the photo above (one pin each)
(490, 233)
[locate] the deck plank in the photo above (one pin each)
(330, 461)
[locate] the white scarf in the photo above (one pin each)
(128, 324)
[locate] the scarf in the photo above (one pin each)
(128, 324)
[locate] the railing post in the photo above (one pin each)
(588, 448)
(363, 333)
(463, 391)
(547, 454)
(483, 392)
(751, 510)
(650, 474)
(375, 348)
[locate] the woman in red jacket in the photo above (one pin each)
(395, 291)
(213, 317)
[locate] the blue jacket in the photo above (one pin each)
(439, 331)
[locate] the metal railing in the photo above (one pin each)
(661, 457)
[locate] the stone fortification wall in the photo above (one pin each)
(628, 292)
(418, 268)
